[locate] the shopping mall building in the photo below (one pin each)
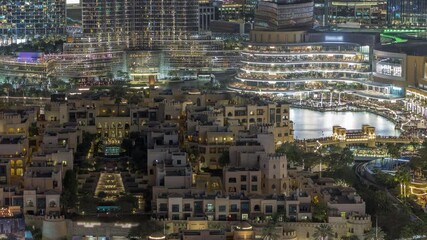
(284, 56)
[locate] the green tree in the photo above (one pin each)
(403, 177)
(382, 202)
(384, 179)
(193, 156)
(134, 98)
(320, 211)
(310, 159)
(340, 159)
(292, 151)
(323, 232)
(88, 204)
(375, 234)
(69, 193)
(224, 159)
(102, 195)
(117, 92)
(393, 150)
(423, 150)
(127, 203)
(413, 228)
(352, 237)
(33, 130)
(127, 145)
(269, 232)
(144, 229)
(418, 164)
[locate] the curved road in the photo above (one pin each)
(397, 203)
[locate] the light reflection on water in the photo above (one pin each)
(313, 124)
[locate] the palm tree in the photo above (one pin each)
(352, 237)
(414, 146)
(269, 232)
(323, 232)
(117, 92)
(393, 150)
(403, 177)
(375, 234)
(418, 164)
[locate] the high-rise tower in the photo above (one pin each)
(23, 19)
(284, 14)
(114, 20)
(168, 21)
(407, 12)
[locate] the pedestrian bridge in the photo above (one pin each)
(343, 137)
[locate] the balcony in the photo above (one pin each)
(209, 210)
(234, 210)
(188, 209)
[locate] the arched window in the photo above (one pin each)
(52, 204)
(19, 163)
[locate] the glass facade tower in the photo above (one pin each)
(114, 20)
(21, 19)
(284, 14)
(169, 21)
(407, 12)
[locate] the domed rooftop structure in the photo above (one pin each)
(244, 226)
(157, 236)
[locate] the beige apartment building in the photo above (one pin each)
(13, 158)
(276, 116)
(211, 142)
(181, 206)
(242, 181)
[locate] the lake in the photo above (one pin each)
(314, 124)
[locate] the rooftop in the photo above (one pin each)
(415, 48)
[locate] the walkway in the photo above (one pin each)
(111, 184)
(372, 142)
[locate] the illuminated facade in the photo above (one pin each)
(169, 21)
(119, 20)
(370, 13)
(268, 64)
(32, 66)
(88, 57)
(284, 14)
(351, 13)
(20, 19)
(402, 65)
(283, 57)
(143, 65)
(407, 12)
(185, 59)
